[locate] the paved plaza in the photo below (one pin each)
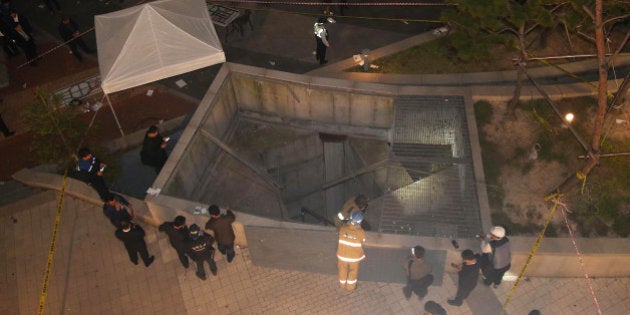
(91, 274)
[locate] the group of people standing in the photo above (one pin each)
(189, 242)
(493, 262)
(192, 242)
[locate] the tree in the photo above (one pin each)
(480, 24)
(56, 129)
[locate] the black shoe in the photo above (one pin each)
(407, 292)
(454, 303)
(214, 272)
(135, 262)
(321, 62)
(150, 261)
(186, 265)
(10, 133)
(201, 276)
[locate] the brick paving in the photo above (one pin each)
(91, 273)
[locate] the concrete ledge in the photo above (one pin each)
(603, 257)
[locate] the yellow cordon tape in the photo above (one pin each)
(581, 176)
(532, 253)
(51, 252)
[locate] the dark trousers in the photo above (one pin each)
(133, 251)
(320, 53)
(181, 253)
(227, 250)
(30, 50)
(98, 183)
(51, 3)
(10, 47)
(78, 42)
(462, 293)
(421, 286)
(201, 273)
(495, 275)
(3, 127)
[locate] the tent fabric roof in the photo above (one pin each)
(154, 41)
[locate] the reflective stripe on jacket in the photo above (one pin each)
(350, 247)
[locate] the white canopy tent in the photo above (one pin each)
(153, 41)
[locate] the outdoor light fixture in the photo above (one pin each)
(569, 117)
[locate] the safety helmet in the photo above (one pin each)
(356, 218)
(498, 231)
(195, 231)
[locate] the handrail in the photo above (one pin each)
(317, 216)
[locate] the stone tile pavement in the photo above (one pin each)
(91, 274)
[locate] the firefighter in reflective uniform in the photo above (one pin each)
(353, 205)
(350, 252)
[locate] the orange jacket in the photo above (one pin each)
(350, 248)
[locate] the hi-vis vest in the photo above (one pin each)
(350, 248)
(319, 30)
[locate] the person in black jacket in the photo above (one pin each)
(177, 233)
(117, 209)
(132, 236)
(154, 149)
(69, 31)
(23, 35)
(468, 276)
(199, 248)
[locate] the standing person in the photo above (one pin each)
(321, 37)
(419, 276)
(23, 36)
(132, 236)
(154, 149)
(177, 233)
(468, 275)
(500, 257)
(350, 252)
(8, 42)
(69, 31)
(353, 205)
(117, 209)
(90, 170)
(199, 248)
(3, 127)
(221, 225)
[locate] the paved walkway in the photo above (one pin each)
(91, 274)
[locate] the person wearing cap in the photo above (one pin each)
(353, 205)
(496, 247)
(321, 37)
(132, 235)
(199, 248)
(90, 170)
(350, 252)
(177, 233)
(221, 226)
(468, 273)
(418, 271)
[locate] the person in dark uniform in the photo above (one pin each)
(9, 44)
(199, 248)
(69, 31)
(23, 35)
(154, 149)
(117, 209)
(321, 37)
(221, 225)
(90, 170)
(419, 276)
(3, 127)
(468, 276)
(132, 236)
(177, 233)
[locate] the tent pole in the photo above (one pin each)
(114, 113)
